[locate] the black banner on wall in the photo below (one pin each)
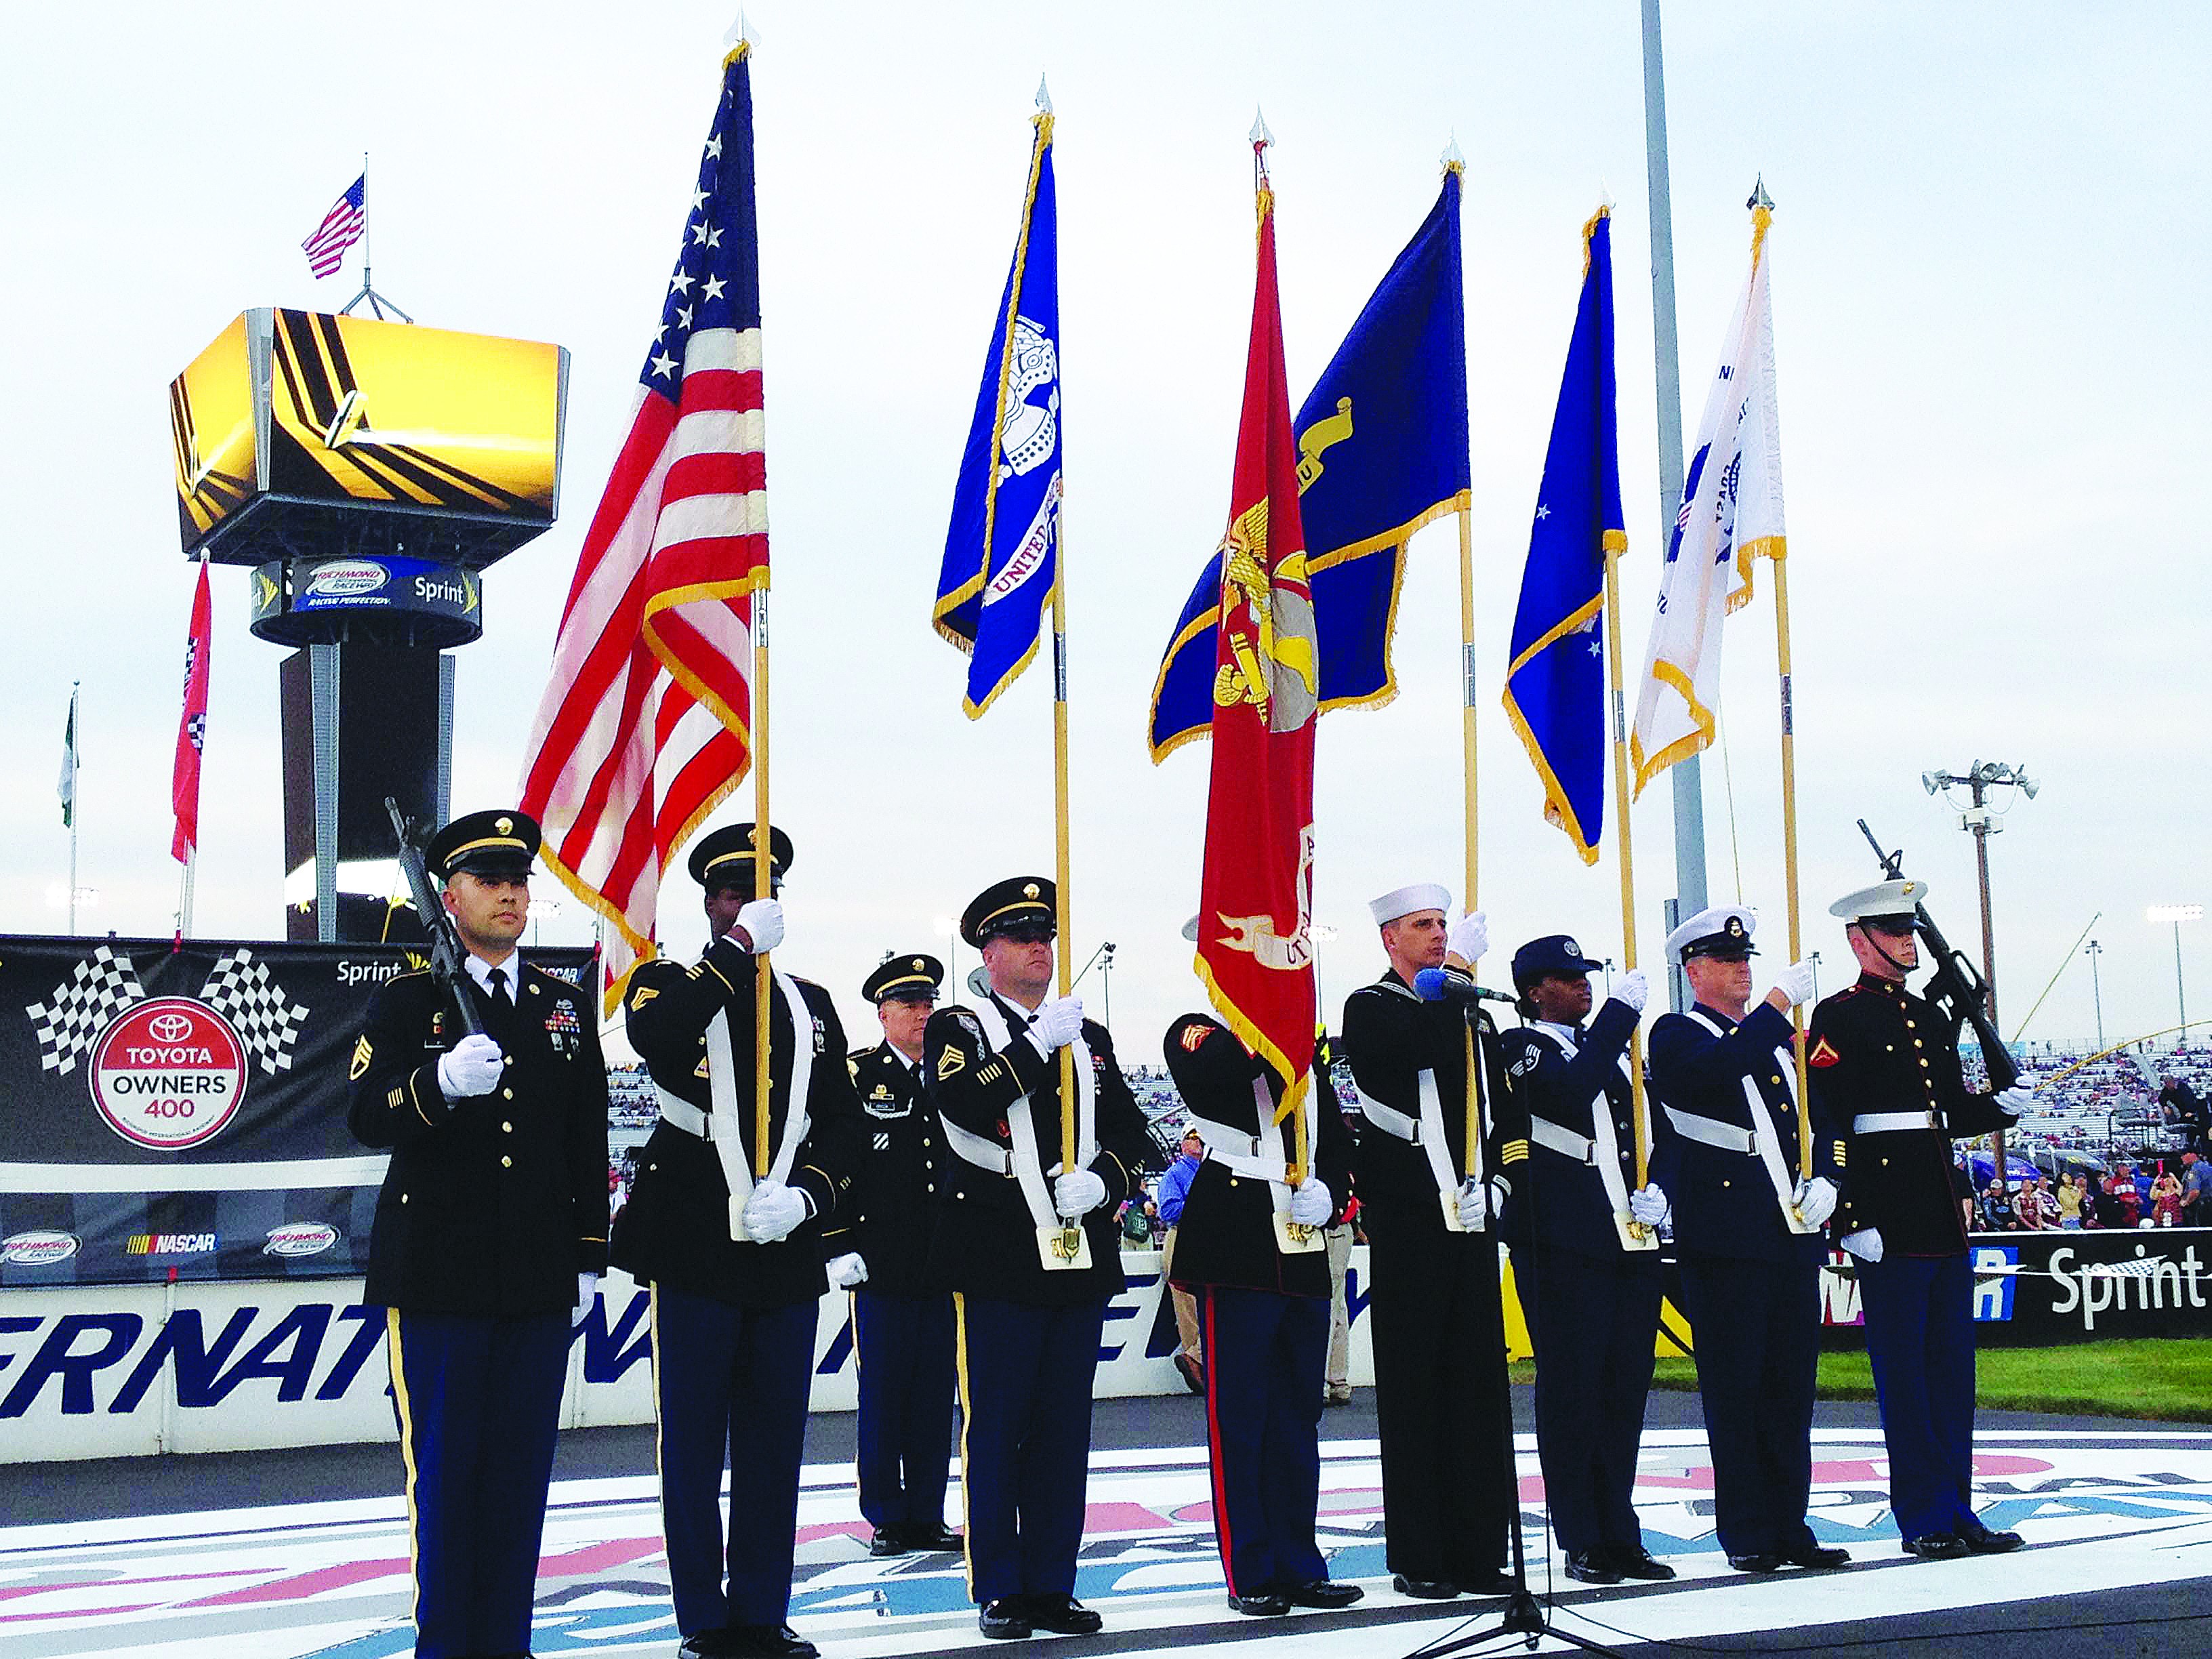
(179, 1110)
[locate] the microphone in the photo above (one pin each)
(1435, 984)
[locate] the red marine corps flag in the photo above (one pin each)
(1255, 949)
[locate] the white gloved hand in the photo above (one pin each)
(1078, 1192)
(1795, 982)
(2016, 1100)
(1469, 937)
(1059, 1021)
(1311, 1204)
(1632, 988)
(762, 922)
(588, 1292)
(847, 1270)
(1866, 1243)
(1473, 1206)
(472, 1066)
(1649, 1205)
(1815, 1200)
(774, 1212)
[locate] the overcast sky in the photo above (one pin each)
(1990, 253)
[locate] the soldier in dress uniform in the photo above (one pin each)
(1027, 1334)
(1888, 1101)
(490, 1235)
(902, 1321)
(1727, 1157)
(1591, 1301)
(1441, 1401)
(1264, 1311)
(735, 1262)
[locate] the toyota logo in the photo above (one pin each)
(170, 1027)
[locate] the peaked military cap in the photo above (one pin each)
(1008, 903)
(902, 977)
(1720, 930)
(1889, 905)
(500, 843)
(1554, 953)
(725, 858)
(1212, 1071)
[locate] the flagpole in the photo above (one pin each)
(1061, 907)
(1789, 844)
(763, 837)
(1616, 543)
(72, 806)
(184, 897)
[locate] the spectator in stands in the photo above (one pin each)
(1998, 1215)
(1174, 1187)
(2037, 1208)
(2165, 1199)
(1136, 1225)
(2142, 1178)
(2070, 1201)
(2183, 1109)
(2196, 1190)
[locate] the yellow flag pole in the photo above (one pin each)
(1060, 874)
(1790, 842)
(1468, 772)
(1616, 543)
(760, 841)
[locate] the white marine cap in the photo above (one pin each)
(1421, 895)
(1718, 930)
(1885, 899)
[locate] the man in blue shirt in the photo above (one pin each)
(1174, 1187)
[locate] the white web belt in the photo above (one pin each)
(1021, 1160)
(724, 1127)
(1764, 1144)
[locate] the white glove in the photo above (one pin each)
(588, 1292)
(1078, 1192)
(772, 1211)
(1649, 1205)
(2016, 1100)
(1632, 988)
(1473, 1206)
(762, 922)
(472, 1066)
(1866, 1243)
(1815, 1200)
(1311, 1204)
(1059, 1021)
(1795, 982)
(847, 1270)
(1469, 937)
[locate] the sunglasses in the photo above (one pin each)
(1028, 933)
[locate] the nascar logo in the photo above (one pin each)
(171, 1244)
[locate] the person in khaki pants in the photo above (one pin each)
(1174, 1187)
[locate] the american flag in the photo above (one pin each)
(341, 228)
(644, 725)
(191, 727)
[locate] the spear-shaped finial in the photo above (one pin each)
(1453, 160)
(1043, 98)
(1759, 198)
(1259, 135)
(739, 36)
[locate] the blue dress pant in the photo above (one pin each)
(1026, 1378)
(903, 1345)
(478, 1401)
(1264, 1355)
(730, 1383)
(1593, 1322)
(1920, 1337)
(1757, 1327)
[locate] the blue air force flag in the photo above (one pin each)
(1555, 687)
(1001, 553)
(1382, 449)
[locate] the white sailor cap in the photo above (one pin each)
(1421, 895)
(1719, 930)
(1885, 901)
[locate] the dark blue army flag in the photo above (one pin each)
(1382, 449)
(1555, 686)
(1001, 553)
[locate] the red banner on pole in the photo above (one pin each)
(191, 728)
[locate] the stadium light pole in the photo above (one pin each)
(2178, 914)
(951, 929)
(1978, 818)
(2092, 950)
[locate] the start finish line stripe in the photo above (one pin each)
(277, 1176)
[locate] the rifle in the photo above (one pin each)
(1957, 991)
(445, 945)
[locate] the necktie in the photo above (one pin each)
(497, 979)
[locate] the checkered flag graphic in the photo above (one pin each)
(97, 988)
(245, 992)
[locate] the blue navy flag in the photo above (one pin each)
(1001, 553)
(1555, 686)
(1382, 449)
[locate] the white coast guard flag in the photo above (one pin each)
(1731, 513)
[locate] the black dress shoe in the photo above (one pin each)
(717, 1644)
(1266, 1604)
(1982, 1542)
(889, 1540)
(1817, 1555)
(1591, 1567)
(1760, 1562)
(1005, 1619)
(1491, 1582)
(1936, 1546)
(1194, 1372)
(1320, 1593)
(1637, 1562)
(1063, 1615)
(938, 1539)
(771, 1642)
(1427, 1589)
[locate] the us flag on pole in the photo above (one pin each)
(341, 228)
(191, 728)
(643, 727)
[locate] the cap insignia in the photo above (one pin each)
(504, 826)
(1029, 890)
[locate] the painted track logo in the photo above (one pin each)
(168, 1073)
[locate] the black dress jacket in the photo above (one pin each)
(1562, 1203)
(902, 1160)
(1226, 1236)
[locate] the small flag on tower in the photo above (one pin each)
(67, 788)
(191, 727)
(342, 226)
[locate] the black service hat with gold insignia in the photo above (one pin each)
(500, 843)
(904, 978)
(1013, 903)
(725, 858)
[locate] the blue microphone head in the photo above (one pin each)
(1429, 984)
